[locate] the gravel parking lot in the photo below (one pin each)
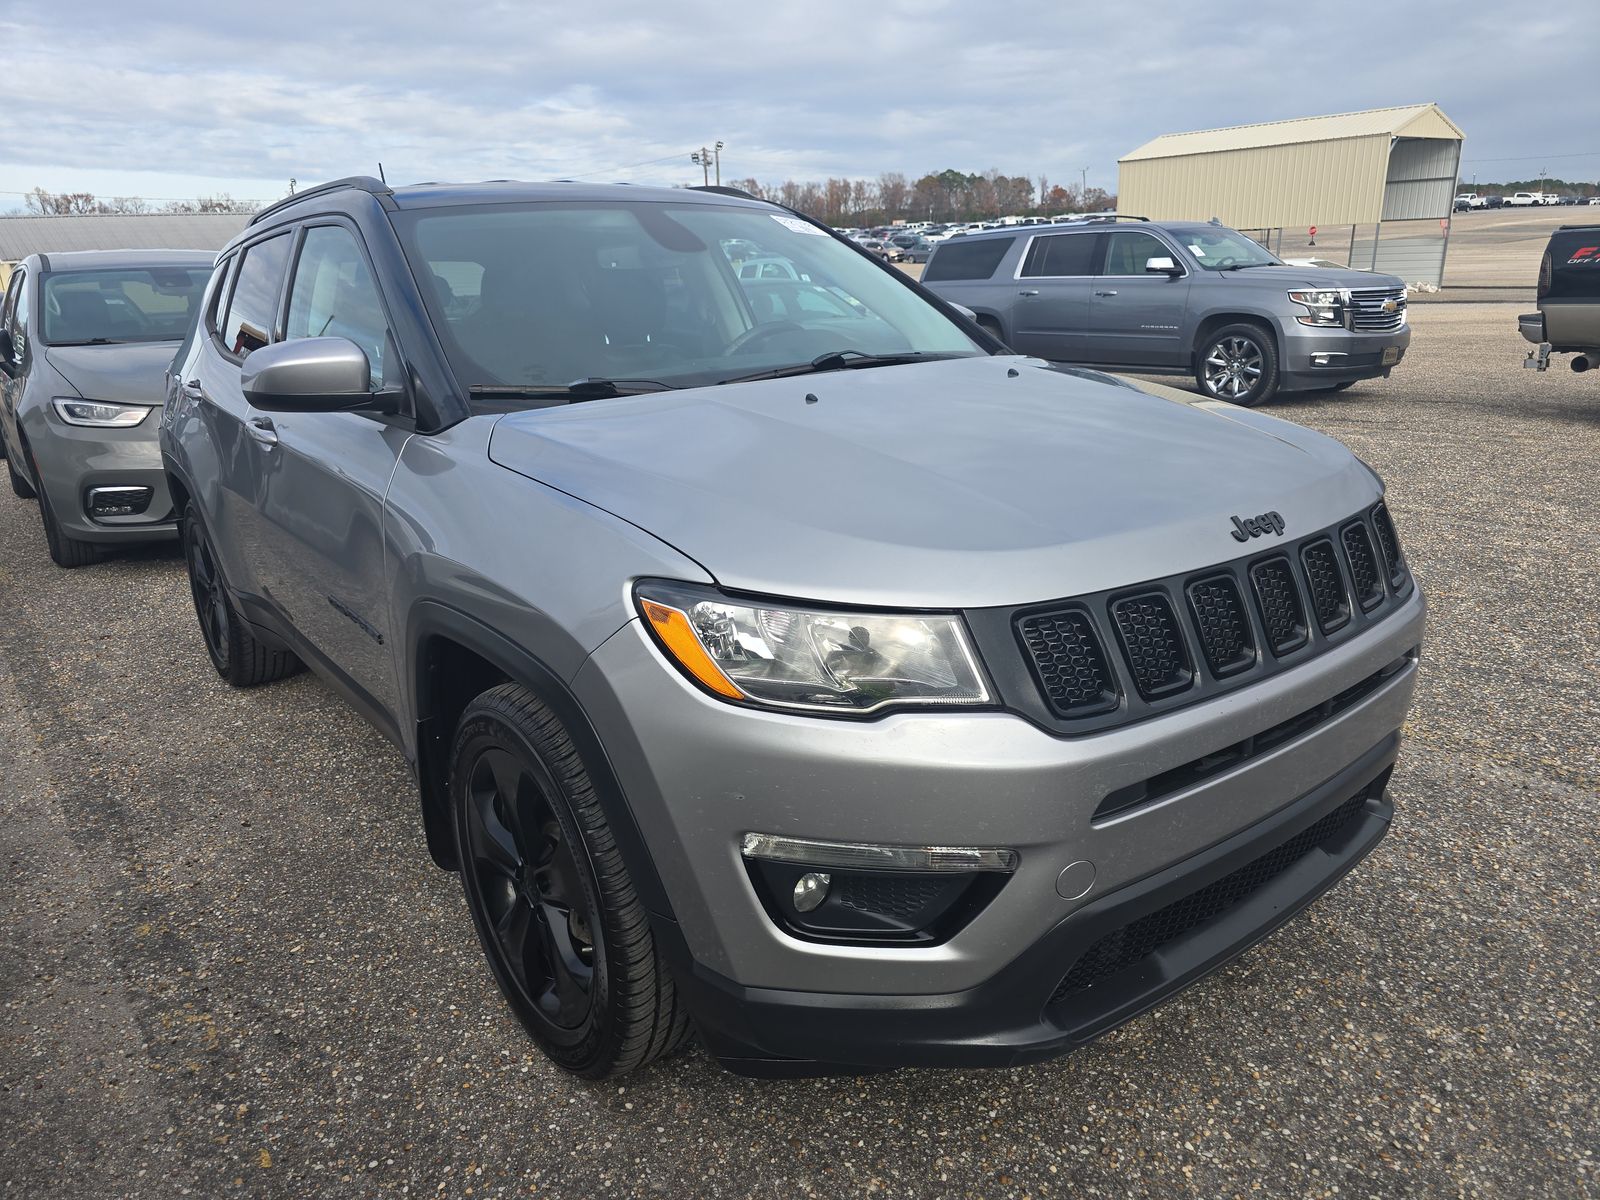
(228, 967)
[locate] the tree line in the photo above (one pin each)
(947, 196)
(66, 204)
(1577, 187)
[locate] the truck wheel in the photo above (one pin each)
(238, 655)
(1239, 364)
(567, 939)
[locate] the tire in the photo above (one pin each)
(20, 487)
(1242, 357)
(566, 937)
(65, 551)
(240, 657)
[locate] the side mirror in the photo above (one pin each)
(964, 311)
(326, 374)
(1162, 266)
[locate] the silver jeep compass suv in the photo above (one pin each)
(782, 658)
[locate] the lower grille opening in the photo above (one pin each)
(1122, 948)
(1147, 791)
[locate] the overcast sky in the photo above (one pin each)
(177, 100)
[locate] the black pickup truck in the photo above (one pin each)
(1568, 320)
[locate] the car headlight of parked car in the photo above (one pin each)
(785, 655)
(1326, 307)
(98, 413)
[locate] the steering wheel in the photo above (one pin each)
(758, 334)
(1224, 262)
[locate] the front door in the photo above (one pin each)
(1139, 316)
(323, 477)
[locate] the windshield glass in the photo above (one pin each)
(682, 294)
(1217, 248)
(124, 304)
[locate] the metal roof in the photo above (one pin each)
(22, 236)
(1411, 120)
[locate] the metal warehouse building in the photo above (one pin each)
(1337, 173)
(22, 236)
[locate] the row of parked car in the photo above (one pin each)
(1467, 201)
(778, 653)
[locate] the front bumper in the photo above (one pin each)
(1315, 358)
(74, 460)
(698, 774)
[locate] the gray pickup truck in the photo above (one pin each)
(1568, 320)
(1176, 298)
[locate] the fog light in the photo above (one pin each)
(118, 501)
(810, 890)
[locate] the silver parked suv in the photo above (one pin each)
(1176, 298)
(824, 678)
(85, 341)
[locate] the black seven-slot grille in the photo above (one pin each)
(1105, 660)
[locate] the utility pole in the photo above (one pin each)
(706, 158)
(1085, 189)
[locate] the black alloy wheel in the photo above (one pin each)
(239, 656)
(567, 939)
(524, 873)
(210, 596)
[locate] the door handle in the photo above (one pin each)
(192, 387)
(1105, 293)
(1029, 292)
(261, 428)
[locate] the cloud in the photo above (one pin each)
(477, 89)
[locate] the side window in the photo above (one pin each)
(209, 306)
(254, 305)
(1130, 250)
(1063, 254)
(334, 295)
(19, 320)
(967, 258)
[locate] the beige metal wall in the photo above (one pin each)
(1325, 183)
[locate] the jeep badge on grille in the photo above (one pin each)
(1250, 527)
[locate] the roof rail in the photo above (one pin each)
(361, 183)
(1112, 217)
(726, 191)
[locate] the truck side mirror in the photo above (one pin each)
(1162, 266)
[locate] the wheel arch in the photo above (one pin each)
(455, 657)
(1211, 322)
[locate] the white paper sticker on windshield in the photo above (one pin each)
(1198, 253)
(795, 225)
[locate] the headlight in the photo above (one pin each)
(817, 660)
(1327, 306)
(107, 416)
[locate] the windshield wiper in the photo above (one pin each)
(588, 388)
(98, 341)
(1247, 266)
(845, 360)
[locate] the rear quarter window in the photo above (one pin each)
(969, 259)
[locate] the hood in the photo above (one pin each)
(959, 483)
(129, 373)
(1312, 277)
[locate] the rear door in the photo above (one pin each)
(322, 477)
(1054, 286)
(1138, 316)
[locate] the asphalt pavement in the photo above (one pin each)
(228, 968)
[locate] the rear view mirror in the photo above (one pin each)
(1162, 266)
(326, 374)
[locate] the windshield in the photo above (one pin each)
(541, 295)
(124, 304)
(1217, 248)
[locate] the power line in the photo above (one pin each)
(1531, 157)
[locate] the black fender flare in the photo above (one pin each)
(429, 619)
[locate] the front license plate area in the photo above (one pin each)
(1391, 355)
